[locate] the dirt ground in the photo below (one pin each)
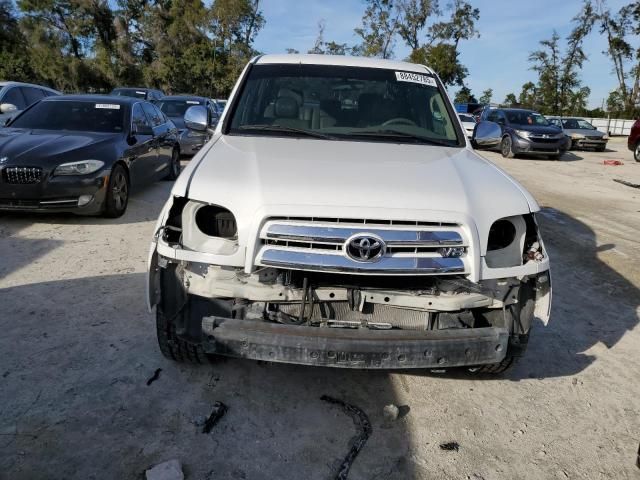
(78, 346)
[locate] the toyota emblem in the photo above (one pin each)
(365, 247)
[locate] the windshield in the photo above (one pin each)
(176, 108)
(577, 124)
(339, 102)
(129, 92)
(80, 116)
(526, 118)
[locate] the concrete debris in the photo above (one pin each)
(450, 446)
(219, 409)
(390, 412)
(170, 470)
(154, 377)
(362, 423)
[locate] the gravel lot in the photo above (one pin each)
(78, 347)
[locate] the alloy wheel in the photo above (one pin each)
(120, 191)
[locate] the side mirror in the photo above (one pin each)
(8, 108)
(142, 130)
(486, 135)
(195, 118)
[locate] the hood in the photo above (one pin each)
(346, 178)
(548, 130)
(44, 148)
(587, 132)
(178, 122)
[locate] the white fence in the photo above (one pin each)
(612, 126)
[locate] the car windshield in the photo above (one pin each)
(577, 124)
(524, 117)
(340, 102)
(129, 92)
(176, 108)
(76, 115)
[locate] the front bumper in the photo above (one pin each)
(354, 348)
(536, 147)
(56, 194)
(589, 143)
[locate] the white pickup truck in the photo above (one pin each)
(340, 217)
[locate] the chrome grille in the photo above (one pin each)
(22, 175)
(319, 244)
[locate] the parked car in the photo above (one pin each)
(174, 107)
(16, 96)
(220, 104)
(149, 94)
(372, 237)
(633, 142)
(580, 133)
(468, 123)
(84, 153)
(526, 131)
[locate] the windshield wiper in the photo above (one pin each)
(391, 133)
(281, 128)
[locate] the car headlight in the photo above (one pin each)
(523, 133)
(605, 137)
(194, 134)
(83, 167)
(576, 136)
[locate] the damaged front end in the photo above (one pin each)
(308, 290)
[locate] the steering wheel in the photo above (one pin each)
(399, 121)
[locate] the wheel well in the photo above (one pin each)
(126, 169)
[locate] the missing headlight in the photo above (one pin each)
(501, 234)
(216, 222)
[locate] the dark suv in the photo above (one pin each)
(526, 131)
(633, 142)
(149, 94)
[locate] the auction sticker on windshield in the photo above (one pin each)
(109, 106)
(415, 78)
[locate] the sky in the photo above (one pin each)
(509, 31)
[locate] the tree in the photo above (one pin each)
(14, 64)
(414, 17)
(380, 23)
(510, 99)
(486, 96)
(464, 95)
(320, 47)
(626, 61)
(529, 96)
(319, 43)
(443, 58)
(461, 25)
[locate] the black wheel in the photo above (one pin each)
(172, 314)
(506, 147)
(636, 152)
(174, 165)
(117, 196)
(519, 316)
(172, 346)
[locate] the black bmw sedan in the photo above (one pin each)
(84, 154)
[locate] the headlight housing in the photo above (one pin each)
(523, 133)
(605, 137)
(576, 136)
(83, 167)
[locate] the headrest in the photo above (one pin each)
(287, 92)
(286, 107)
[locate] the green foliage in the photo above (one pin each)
(94, 45)
(510, 99)
(464, 95)
(486, 96)
(443, 58)
(379, 26)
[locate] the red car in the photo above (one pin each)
(634, 140)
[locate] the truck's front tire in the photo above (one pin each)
(172, 346)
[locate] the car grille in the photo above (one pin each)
(22, 175)
(544, 140)
(322, 245)
(593, 138)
